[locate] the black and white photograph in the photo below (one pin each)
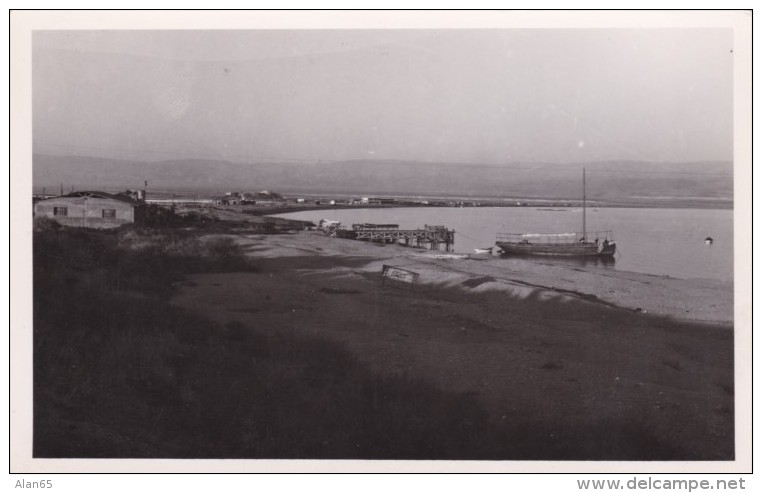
(491, 243)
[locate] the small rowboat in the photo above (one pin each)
(450, 256)
(443, 256)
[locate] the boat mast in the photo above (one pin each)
(584, 216)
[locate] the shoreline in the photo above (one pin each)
(695, 300)
(181, 196)
(253, 210)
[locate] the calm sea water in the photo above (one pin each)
(652, 241)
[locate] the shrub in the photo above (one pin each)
(222, 252)
(222, 247)
(168, 244)
(42, 224)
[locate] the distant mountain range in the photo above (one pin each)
(612, 182)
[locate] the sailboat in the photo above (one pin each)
(584, 244)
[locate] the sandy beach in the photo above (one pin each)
(634, 360)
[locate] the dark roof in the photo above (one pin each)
(103, 195)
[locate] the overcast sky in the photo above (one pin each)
(474, 96)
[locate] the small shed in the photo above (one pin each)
(88, 209)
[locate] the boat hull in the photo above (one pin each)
(558, 250)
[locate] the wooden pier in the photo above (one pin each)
(431, 237)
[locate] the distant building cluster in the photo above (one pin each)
(355, 201)
(247, 198)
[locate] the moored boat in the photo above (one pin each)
(558, 244)
(602, 243)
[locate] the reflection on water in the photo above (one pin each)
(602, 262)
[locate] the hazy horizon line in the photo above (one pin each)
(265, 160)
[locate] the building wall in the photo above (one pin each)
(86, 212)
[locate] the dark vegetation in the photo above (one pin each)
(166, 218)
(162, 217)
(121, 373)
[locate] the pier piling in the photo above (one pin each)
(430, 236)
